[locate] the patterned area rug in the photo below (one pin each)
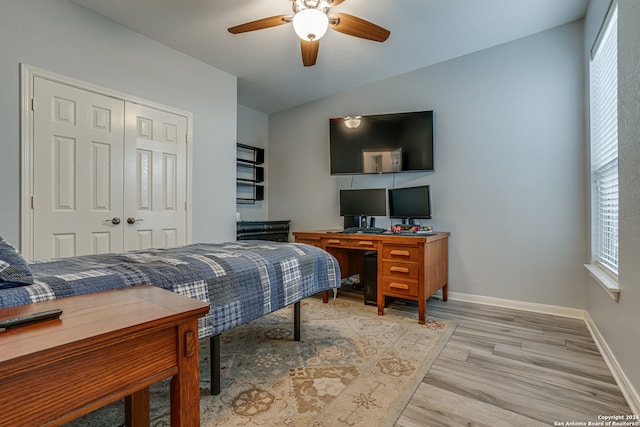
(352, 368)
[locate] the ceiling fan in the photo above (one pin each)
(311, 19)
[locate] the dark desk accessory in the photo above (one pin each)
(29, 319)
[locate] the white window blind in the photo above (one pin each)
(604, 143)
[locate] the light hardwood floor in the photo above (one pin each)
(505, 367)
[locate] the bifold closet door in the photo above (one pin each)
(78, 153)
(109, 175)
(155, 178)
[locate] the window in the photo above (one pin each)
(604, 145)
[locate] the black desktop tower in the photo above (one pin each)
(370, 278)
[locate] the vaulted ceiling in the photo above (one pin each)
(268, 62)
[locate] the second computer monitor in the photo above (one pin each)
(410, 203)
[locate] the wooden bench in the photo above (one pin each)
(105, 346)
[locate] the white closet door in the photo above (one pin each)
(155, 193)
(78, 152)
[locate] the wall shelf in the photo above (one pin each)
(249, 174)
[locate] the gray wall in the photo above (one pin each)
(61, 37)
(510, 181)
(618, 322)
(253, 129)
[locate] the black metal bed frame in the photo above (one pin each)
(214, 349)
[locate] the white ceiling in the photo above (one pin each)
(268, 63)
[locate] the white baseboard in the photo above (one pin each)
(520, 305)
(628, 391)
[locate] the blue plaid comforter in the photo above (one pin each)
(241, 281)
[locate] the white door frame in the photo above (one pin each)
(27, 75)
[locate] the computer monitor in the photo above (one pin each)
(410, 203)
(365, 202)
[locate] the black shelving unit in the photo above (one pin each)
(250, 173)
(276, 231)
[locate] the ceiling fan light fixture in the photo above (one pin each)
(310, 24)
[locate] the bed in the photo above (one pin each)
(241, 281)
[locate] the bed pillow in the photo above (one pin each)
(14, 270)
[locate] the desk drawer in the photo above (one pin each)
(310, 241)
(398, 286)
(401, 253)
(352, 243)
(401, 270)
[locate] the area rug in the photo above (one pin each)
(351, 368)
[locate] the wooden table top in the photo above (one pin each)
(430, 236)
(114, 313)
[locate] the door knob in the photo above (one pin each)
(114, 220)
(132, 220)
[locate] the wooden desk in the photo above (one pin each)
(411, 267)
(105, 346)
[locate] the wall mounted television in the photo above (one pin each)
(410, 203)
(382, 143)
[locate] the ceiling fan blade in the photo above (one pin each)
(309, 52)
(357, 27)
(335, 3)
(260, 24)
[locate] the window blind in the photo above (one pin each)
(604, 143)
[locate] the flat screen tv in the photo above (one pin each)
(410, 203)
(366, 202)
(383, 143)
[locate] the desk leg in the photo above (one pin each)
(185, 385)
(136, 409)
(422, 308)
(445, 292)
